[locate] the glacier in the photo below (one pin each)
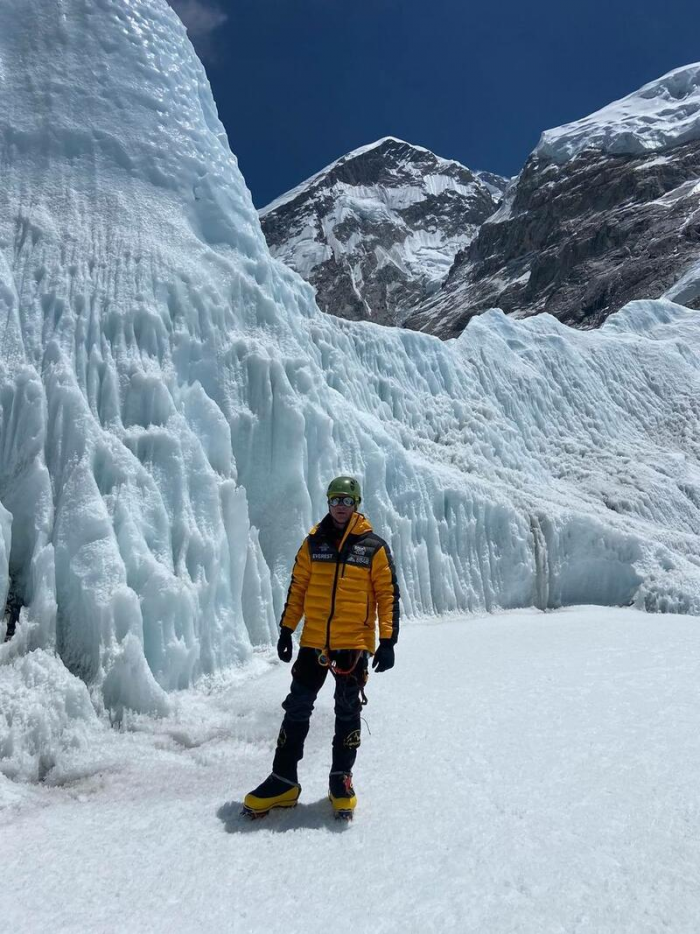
(173, 403)
(658, 116)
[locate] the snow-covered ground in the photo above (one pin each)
(525, 772)
(173, 404)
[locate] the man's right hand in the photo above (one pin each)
(284, 644)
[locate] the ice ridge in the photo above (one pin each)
(661, 114)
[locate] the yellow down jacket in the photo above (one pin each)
(341, 589)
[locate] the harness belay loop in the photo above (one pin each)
(324, 659)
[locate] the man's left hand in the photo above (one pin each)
(284, 644)
(384, 656)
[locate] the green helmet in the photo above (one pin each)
(345, 486)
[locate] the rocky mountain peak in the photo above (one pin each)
(377, 230)
(606, 210)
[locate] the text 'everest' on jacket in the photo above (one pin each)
(342, 588)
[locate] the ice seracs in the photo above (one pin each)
(116, 463)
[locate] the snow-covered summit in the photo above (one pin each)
(661, 114)
(378, 229)
(388, 143)
(328, 169)
(604, 212)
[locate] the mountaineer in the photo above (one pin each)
(343, 584)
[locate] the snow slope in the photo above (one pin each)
(492, 181)
(173, 403)
(521, 773)
(658, 116)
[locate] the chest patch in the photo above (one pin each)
(360, 556)
(359, 560)
(322, 551)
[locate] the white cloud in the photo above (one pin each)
(202, 20)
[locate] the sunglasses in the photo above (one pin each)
(341, 501)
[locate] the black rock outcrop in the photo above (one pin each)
(578, 240)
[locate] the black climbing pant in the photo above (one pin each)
(308, 676)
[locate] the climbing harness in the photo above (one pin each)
(325, 660)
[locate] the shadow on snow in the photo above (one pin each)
(315, 816)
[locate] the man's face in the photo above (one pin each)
(340, 513)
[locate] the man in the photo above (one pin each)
(343, 580)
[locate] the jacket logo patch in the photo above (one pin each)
(322, 556)
(359, 559)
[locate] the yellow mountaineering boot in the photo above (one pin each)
(275, 792)
(341, 794)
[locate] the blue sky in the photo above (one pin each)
(299, 83)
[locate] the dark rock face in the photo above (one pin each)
(377, 232)
(578, 240)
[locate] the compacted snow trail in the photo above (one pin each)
(525, 772)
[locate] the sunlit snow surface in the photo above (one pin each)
(525, 773)
(662, 114)
(172, 404)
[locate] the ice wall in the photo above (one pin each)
(172, 403)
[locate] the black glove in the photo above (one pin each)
(284, 644)
(384, 657)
